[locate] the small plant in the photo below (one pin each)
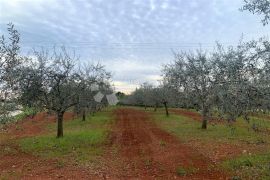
(162, 143)
(148, 162)
(60, 164)
(243, 163)
(247, 163)
(181, 171)
(236, 178)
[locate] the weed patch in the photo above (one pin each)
(82, 140)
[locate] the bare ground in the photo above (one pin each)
(141, 150)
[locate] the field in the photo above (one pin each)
(131, 142)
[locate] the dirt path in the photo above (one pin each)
(141, 150)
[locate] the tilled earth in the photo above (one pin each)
(141, 150)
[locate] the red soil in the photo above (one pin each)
(138, 150)
(195, 116)
(26, 166)
(146, 152)
(20, 165)
(218, 151)
(35, 125)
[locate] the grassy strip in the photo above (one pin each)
(81, 142)
(255, 166)
(188, 129)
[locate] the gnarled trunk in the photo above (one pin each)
(83, 116)
(166, 108)
(204, 117)
(60, 116)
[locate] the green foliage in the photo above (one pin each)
(25, 113)
(259, 7)
(4, 113)
(6, 118)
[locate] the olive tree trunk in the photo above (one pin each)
(60, 116)
(83, 116)
(166, 108)
(204, 117)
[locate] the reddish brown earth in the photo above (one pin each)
(16, 164)
(35, 125)
(218, 152)
(197, 116)
(19, 165)
(140, 150)
(194, 115)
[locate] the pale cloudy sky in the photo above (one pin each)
(132, 38)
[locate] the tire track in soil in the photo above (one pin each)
(140, 150)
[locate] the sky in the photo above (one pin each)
(133, 39)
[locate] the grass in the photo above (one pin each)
(256, 166)
(82, 140)
(240, 134)
(182, 171)
(25, 113)
(189, 129)
(10, 175)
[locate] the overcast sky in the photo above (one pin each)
(132, 38)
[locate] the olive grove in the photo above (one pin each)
(47, 80)
(227, 82)
(10, 63)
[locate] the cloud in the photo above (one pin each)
(131, 37)
(125, 87)
(132, 70)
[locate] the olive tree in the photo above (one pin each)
(260, 7)
(261, 51)
(235, 71)
(54, 81)
(10, 62)
(93, 78)
(191, 74)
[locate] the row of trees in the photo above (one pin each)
(148, 95)
(53, 81)
(231, 81)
